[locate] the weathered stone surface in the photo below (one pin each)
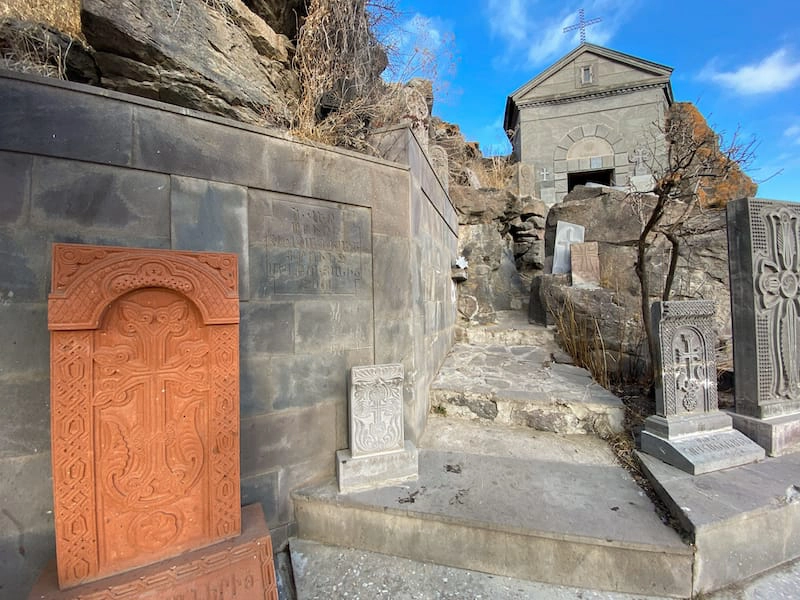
(585, 264)
(566, 235)
(284, 16)
(763, 245)
(221, 59)
(688, 430)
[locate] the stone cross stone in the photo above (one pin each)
(764, 263)
(566, 235)
(688, 430)
(145, 421)
(639, 157)
(585, 260)
(378, 455)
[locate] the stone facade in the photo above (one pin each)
(343, 260)
(587, 118)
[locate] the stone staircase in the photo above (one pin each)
(513, 373)
(514, 483)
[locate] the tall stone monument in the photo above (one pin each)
(145, 429)
(379, 454)
(688, 430)
(764, 262)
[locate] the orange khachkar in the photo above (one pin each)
(144, 369)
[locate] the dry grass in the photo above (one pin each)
(493, 172)
(62, 15)
(581, 339)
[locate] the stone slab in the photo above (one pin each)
(240, 568)
(592, 525)
(702, 453)
(777, 435)
(324, 571)
(744, 520)
(366, 472)
(585, 264)
(566, 234)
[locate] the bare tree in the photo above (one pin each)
(693, 170)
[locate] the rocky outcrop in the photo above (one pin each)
(219, 58)
(612, 219)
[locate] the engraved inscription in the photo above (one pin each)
(777, 287)
(315, 250)
(376, 409)
(704, 445)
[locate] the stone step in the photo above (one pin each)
(523, 385)
(511, 502)
(511, 329)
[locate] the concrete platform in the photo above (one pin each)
(570, 517)
(745, 520)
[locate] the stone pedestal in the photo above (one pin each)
(378, 455)
(764, 262)
(242, 568)
(689, 431)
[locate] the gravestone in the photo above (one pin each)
(145, 427)
(379, 454)
(566, 235)
(585, 261)
(764, 262)
(688, 430)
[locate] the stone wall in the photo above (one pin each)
(344, 260)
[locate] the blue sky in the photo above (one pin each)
(738, 61)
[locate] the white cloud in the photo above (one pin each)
(793, 132)
(532, 35)
(775, 73)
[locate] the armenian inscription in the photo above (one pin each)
(313, 249)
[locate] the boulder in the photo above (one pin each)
(284, 16)
(217, 58)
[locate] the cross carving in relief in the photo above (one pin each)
(582, 24)
(688, 350)
(544, 174)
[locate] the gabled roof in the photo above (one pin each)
(658, 71)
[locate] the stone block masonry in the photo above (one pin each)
(343, 260)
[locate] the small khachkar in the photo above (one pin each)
(764, 262)
(688, 430)
(585, 259)
(378, 455)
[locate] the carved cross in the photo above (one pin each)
(545, 174)
(689, 369)
(582, 24)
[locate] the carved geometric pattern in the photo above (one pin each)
(687, 343)
(86, 279)
(144, 401)
(376, 409)
(777, 291)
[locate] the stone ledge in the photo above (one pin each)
(367, 472)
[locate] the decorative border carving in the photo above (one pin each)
(376, 409)
(687, 344)
(87, 280)
(81, 272)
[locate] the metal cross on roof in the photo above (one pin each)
(582, 24)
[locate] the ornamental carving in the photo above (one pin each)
(687, 357)
(376, 409)
(777, 290)
(144, 405)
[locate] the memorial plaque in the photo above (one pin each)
(566, 235)
(585, 258)
(144, 406)
(314, 249)
(688, 430)
(379, 453)
(764, 262)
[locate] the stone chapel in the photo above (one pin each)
(588, 118)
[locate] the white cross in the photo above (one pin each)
(545, 174)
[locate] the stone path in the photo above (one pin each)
(513, 373)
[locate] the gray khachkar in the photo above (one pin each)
(764, 262)
(378, 454)
(688, 430)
